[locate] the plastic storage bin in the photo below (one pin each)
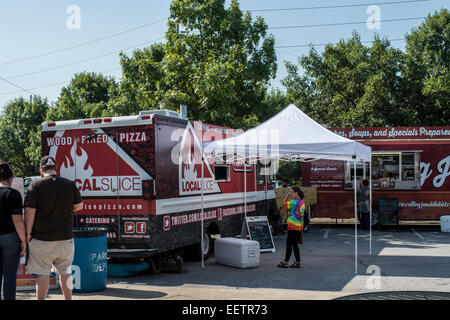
(239, 253)
(89, 267)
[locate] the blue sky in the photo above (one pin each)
(34, 27)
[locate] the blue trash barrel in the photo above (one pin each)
(89, 267)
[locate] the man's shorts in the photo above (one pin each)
(44, 254)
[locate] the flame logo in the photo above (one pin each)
(189, 162)
(77, 169)
(190, 166)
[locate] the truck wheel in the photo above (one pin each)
(207, 246)
(180, 264)
(306, 223)
(374, 217)
(155, 266)
(195, 251)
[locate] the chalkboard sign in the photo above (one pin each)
(259, 230)
(388, 212)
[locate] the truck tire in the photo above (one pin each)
(194, 252)
(155, 266)
(306, 223)
(374, 217)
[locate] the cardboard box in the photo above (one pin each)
(25, 282)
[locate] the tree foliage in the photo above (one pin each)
(142, 81)
(19, 134)
(216, 60)
(350, 84)
(86, 96)
(427, 68)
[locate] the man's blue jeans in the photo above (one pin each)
(9, 262)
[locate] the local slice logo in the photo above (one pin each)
(97, 165)
(190, 166)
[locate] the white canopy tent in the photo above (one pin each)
(290, 135)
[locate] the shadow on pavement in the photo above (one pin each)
(124, 293)
(327, 262)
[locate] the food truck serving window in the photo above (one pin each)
(221, 170)
(390, 170)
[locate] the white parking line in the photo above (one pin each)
(326, 233)
(417, 234)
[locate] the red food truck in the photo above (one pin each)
(140, 178)
(410, 164)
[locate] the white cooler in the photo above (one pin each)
(240, 253)
(445, 223)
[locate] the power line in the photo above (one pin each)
(342, 23)
(81, 61)
(40, 87)
(337, 6)
(15, 85)
(115, 69)
(81, 44)
(324, 44)
(51, 84)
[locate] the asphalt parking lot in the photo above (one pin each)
(412, 259)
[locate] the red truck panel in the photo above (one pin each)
(431, 201)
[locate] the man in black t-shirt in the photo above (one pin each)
(12, 233)
(49, 206)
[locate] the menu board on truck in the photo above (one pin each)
(326, 174)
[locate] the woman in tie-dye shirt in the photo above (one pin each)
(296, 208)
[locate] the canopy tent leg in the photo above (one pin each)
(370, 207)
(201, 214)
(244, 223)
(245, 191)
(356, 218)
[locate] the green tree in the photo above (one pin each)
(274, 101)
(86, 96)
(350, 84)
(142, 81)
(426, 70)
(291, 171)
(216, 60)
(19, 134)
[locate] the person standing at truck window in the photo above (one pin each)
(296, 210)
(12, 233)
(364, 205)
(49, 206)
(280, 194)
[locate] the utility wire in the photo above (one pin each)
(341, 23)
(84, 60)
(115, 69)
(15, 85)
(324, 44)
(273, 28)
(337, 6)
(51, 84)
(81, 44)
